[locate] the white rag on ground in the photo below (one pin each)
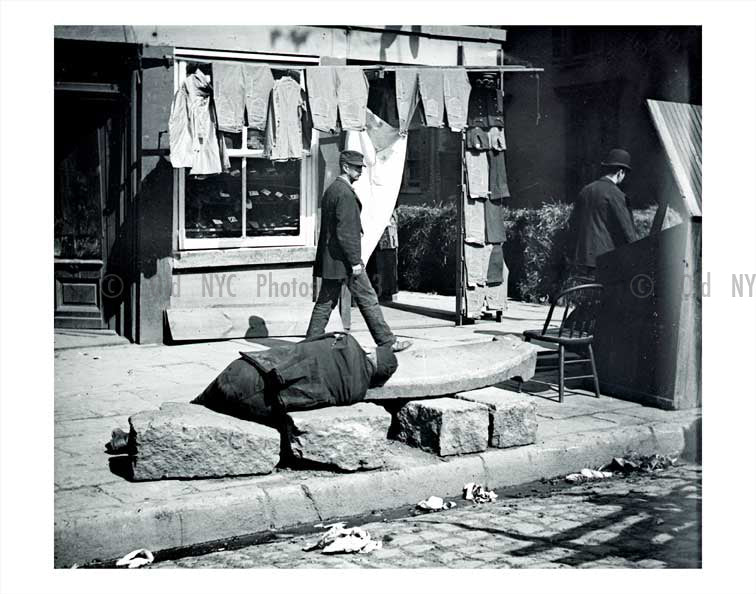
(339, 539)
(378, 187)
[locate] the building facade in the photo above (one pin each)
(145, 250)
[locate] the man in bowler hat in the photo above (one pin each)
(339, 260)
(602, 220)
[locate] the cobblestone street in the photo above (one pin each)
(638, 521)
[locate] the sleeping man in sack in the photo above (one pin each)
(327, 370)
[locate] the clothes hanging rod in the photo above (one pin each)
(509, 68)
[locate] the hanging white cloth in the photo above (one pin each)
(378, 187)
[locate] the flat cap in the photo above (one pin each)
(353, 158)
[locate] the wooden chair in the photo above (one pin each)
(575, 333)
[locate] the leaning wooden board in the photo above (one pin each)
(426, 373)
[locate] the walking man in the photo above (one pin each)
(602, 218)
(339, 259)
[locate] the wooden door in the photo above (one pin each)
(89, 156)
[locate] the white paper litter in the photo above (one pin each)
(478, 494)
(136, 558)
(339, 539)
(434, 503)
(588, 474)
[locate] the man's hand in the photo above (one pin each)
(357, 269)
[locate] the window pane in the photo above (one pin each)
(273, 197)
(78, 170)
(213, 204)
(233, 140)
(255, 139)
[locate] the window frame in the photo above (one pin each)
(308, 166)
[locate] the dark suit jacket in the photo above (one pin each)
(602, 221)
(340, 231)
(327, 370)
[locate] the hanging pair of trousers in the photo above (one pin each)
(497, 174)
(367, 302)
(406, 96)
(240, 86)
(477, 173)
(431, 83)
(456, 97)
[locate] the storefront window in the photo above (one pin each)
(258, 202)
(213, 204)
(273, 198)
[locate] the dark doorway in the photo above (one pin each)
(90, 142)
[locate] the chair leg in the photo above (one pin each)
(520, 381)
(593, 371)
(561, 373)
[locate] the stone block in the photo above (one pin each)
(445, 426)
(434, 372)
(183, 440)
(512, 416)
(351, 437)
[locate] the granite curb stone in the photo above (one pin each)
(108, 533)
(182, 440)
(351, 437)
(445, 426)
(512, 417)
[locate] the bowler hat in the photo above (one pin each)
(617, 157)
(353, 158)
(387, 364)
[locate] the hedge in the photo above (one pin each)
(535, 250)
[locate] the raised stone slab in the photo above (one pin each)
(351, 437)
(424, 373)
(183, 440)
(445, 426)
(512, 416)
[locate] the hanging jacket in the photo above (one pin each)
(283, 135)
(192, 128)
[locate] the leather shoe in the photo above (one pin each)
(400, 345)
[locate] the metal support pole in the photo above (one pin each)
(460, 268)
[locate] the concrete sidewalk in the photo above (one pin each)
(101, 515)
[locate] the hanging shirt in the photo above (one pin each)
(193, 137)
(283, 135)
